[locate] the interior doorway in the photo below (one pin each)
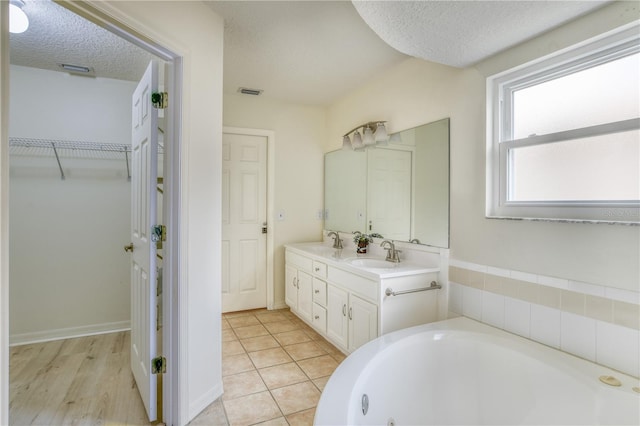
(247, 206)
(168, 188)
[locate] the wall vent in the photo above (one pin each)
(247, 91)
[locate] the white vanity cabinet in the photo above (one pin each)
(348, 306)
(319, 307)
(351, 321)
(363, 322)
(298, 291)
(337, 320)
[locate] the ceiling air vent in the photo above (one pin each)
(247, 91)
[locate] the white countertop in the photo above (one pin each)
(341, 258)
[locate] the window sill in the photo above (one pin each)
(553, 220)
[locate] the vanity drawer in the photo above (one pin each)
(319, 318)
(320, 269)
(367, 289)
(320, 292)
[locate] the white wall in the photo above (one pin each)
(417, 92)
(68, 272)
(195, 33)
(299, 168)
(57, 105)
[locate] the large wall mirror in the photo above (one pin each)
(400, 191)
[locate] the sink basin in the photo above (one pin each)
(371, 263)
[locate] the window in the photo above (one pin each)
(563, 134)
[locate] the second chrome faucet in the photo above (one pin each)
(392, 253)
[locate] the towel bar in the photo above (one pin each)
(434, 286)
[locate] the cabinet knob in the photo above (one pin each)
(316, 291)
(350, 313)
(344, 310)
(317, 269)
(317, 317)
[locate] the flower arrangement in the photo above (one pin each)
(362, 241)
(359, 239)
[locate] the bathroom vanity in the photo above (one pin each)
(351, 299)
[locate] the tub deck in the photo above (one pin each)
(460, 371)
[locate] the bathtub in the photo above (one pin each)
(460, 371)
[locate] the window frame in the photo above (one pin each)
(500, 88)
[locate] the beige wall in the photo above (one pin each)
(299, 164)
(417, 92)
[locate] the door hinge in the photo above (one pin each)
(160, 100)
(159, 365)
(158, 235)
(264, 227)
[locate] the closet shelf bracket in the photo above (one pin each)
(55, 151)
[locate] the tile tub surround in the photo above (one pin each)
(597, 323)
(274, 367)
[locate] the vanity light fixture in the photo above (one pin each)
(373, 132)
(18, 20)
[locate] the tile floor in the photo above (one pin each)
(274, 368)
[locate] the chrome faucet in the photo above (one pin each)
(392, 253)
(337, 242)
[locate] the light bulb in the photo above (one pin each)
(368, 137)
(18, 20)
(346, 143)
(357, 141)
(381, 134)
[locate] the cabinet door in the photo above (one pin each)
(363, 322)
(337, 320)
(291, 290)
(305, 295)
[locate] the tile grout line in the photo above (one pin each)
(301, 326)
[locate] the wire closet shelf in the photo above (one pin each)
(61, 149)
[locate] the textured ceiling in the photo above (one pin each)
(56, 35)
(309, 52)
(461, 33)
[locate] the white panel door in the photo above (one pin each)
(244, 214)
(144, 153)
(389, 193)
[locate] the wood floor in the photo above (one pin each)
(81, 381)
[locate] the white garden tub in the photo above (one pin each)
(460, 371)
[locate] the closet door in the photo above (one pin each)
(144, 163)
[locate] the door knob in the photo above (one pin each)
(129, 247)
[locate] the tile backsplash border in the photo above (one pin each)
(597, 323)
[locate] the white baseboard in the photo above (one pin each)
(197, 406)
(280, 305)
(67, 333)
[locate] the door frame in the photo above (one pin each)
(173, 325)
(271, 136)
